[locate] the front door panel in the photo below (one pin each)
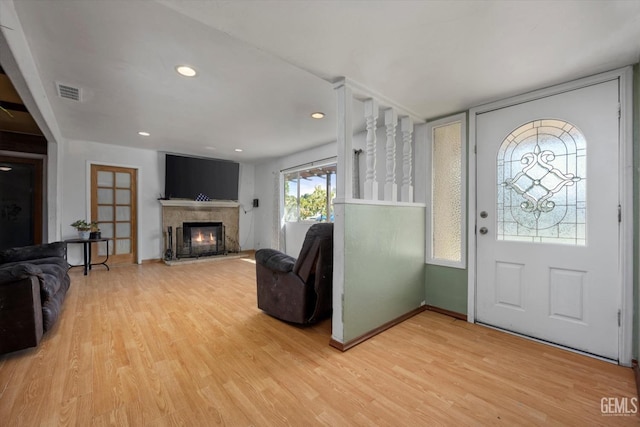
(547, 248)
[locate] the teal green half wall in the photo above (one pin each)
(384, 265)
(446, 288)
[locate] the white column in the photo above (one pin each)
(344, 111)
(390, 186)
(344, 191)
(370, 181)
(406, 127)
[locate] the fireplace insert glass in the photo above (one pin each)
(200, 239)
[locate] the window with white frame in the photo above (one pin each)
(309, 193)
(446, 198)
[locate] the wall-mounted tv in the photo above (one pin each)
(188, 177)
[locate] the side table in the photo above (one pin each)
(87, 253)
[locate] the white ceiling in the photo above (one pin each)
(264, 66)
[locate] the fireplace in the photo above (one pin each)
(196, 239)
(176, 212)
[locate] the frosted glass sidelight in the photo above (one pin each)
(105, 196)
(105, 179)
(123, 213)
(105, 213)
(541, 184)
(446, 197)
(123, 197)
(123, 180)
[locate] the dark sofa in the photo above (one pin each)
(33, 284)
(298, 290)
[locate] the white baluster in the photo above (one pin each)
(390, 186)
(370, 181)
(406, 127)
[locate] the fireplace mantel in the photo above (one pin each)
(195, 204)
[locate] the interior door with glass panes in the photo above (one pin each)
(548, 225)
(113, 207)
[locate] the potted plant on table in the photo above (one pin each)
(83, 227)
(95, 230)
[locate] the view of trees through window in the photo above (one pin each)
(309, 194)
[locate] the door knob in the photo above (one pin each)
(483, 230)
(483, 214)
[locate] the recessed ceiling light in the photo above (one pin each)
(317, 115)
(185, 70)
(5, 168)
(143, 133)
(239, 150)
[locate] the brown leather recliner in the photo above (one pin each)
(33, 284)
(298, 290)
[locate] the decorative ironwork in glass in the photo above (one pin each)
(541, 179)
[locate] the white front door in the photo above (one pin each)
(548, 219)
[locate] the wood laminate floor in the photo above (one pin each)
(185, 345)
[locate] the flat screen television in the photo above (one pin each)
(188, 177)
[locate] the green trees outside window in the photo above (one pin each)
(309, 194)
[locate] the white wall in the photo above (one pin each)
(246, 194)
(267, 178)
(420, 179)
(76, 187)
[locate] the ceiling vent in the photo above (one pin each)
(68, 92)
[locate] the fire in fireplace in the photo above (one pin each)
(200, 239)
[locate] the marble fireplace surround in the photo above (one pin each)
(175, 212)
